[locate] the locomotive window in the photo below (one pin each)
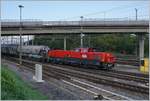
(91, 50)
(94, 50)
(77, 50)
(85, 50)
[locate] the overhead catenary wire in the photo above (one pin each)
(102, 12)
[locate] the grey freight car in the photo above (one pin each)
(34, 51)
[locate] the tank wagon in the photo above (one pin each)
(82, 56)
(34, 52)
(9, 49)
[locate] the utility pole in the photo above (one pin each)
(81, 35)
(20, 29)
(104, 16)
(136, 10)
(64, 42)
(89, 41)
(32, 40)
(136, 49)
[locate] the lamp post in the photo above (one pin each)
(81, 35)
(104, 16)
(136, 10)
(136, 46)
(20, 29)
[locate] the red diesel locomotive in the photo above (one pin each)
(82, 56)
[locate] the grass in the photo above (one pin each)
(14, 88)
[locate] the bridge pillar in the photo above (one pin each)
(89, 41)
(141, 47)
(81, 40)
(65, 43)
(32, 40)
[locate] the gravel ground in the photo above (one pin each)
(127, 68)
(58, 90)
(127, 93)
(54, 89)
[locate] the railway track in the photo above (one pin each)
(133, 62)
(104, 80)
(98, 93)
(136, 77)
(116, 74)
(132, 74)
(64, 72)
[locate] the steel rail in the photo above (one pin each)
(94, 78)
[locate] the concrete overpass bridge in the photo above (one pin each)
(73, 27)
(76, 27)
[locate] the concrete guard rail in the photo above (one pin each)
(75, 23)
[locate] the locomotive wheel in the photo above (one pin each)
(110, 66)
(106, 66)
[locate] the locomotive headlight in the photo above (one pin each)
(102, 59)
(84, 56)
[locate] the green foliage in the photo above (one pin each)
(13, 88)
(146, 46)
(115, 43)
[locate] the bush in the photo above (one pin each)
(14, 88)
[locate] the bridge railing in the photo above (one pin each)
(78, 23)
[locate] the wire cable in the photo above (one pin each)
(102, 12)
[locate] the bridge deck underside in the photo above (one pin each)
(71, 30)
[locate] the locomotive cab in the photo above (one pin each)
(84, 50)
(101, 59)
